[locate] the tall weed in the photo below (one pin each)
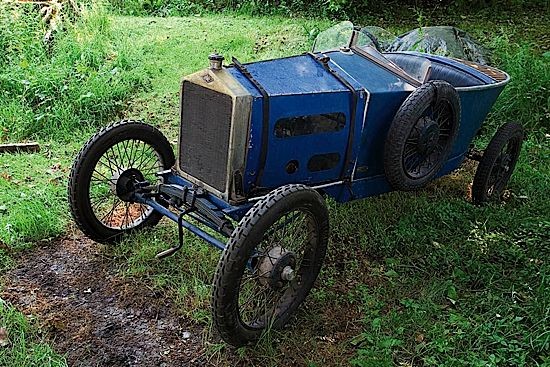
(526, 98)
(339, 9)
(84, 78)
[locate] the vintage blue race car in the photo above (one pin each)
(262, 144)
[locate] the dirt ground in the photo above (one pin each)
(93, 316)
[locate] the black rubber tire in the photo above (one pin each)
(509, 133)
(409, 113)
(242, 243)
(85, 162)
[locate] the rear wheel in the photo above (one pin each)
(270, 264)
(497, 163)
(104, 172)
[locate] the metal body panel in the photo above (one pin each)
(292, 76)
(301, 148)
(297, 86)
(387, 92)
(300, 85)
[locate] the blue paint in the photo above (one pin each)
(300, 86)
(297, 86)
(292, 75)
(190, 227)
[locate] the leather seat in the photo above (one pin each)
(412, 63)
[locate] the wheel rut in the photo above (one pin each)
(95, 317)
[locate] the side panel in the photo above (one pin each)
(475, 104)
(299, 86)
(387, 92)
(283, 151)
(380, 113)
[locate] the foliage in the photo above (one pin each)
(81, 80)
(339, 9)
(527, 97)
(33, 206)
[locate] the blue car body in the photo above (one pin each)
(299, 86)
(320, 119)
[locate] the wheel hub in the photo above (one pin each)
(123, 182)
(429, 135)
(277, 267)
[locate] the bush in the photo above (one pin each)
(340, 9)
(527, 98)
(52, 89)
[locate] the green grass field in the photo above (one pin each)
(411, 279)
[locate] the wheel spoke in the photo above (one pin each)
(116, 202)
(111, 158)
(102, 175)
(259, 302)
(142, 156)
(133, 153)
(115, 160)
(146, 163)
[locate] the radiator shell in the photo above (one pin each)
(214, 125)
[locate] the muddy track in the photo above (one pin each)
(95, 317)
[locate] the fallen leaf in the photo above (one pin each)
(5, 176)
(327, 339)
(4, 341)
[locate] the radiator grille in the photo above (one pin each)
(204, 139)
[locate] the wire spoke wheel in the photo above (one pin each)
(427, 141)
(276, 269)
(270, 264)
(130, 160)
(104, 176)
(497, 164)
(421, 135)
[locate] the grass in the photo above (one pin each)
(411, 278)
(82, 79)
(26, 348)
(36, 198)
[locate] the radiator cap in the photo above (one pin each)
(216, 61)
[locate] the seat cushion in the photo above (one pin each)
(412, 63)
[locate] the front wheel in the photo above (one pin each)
(497, 163)
(270, 264)
(103, 175)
